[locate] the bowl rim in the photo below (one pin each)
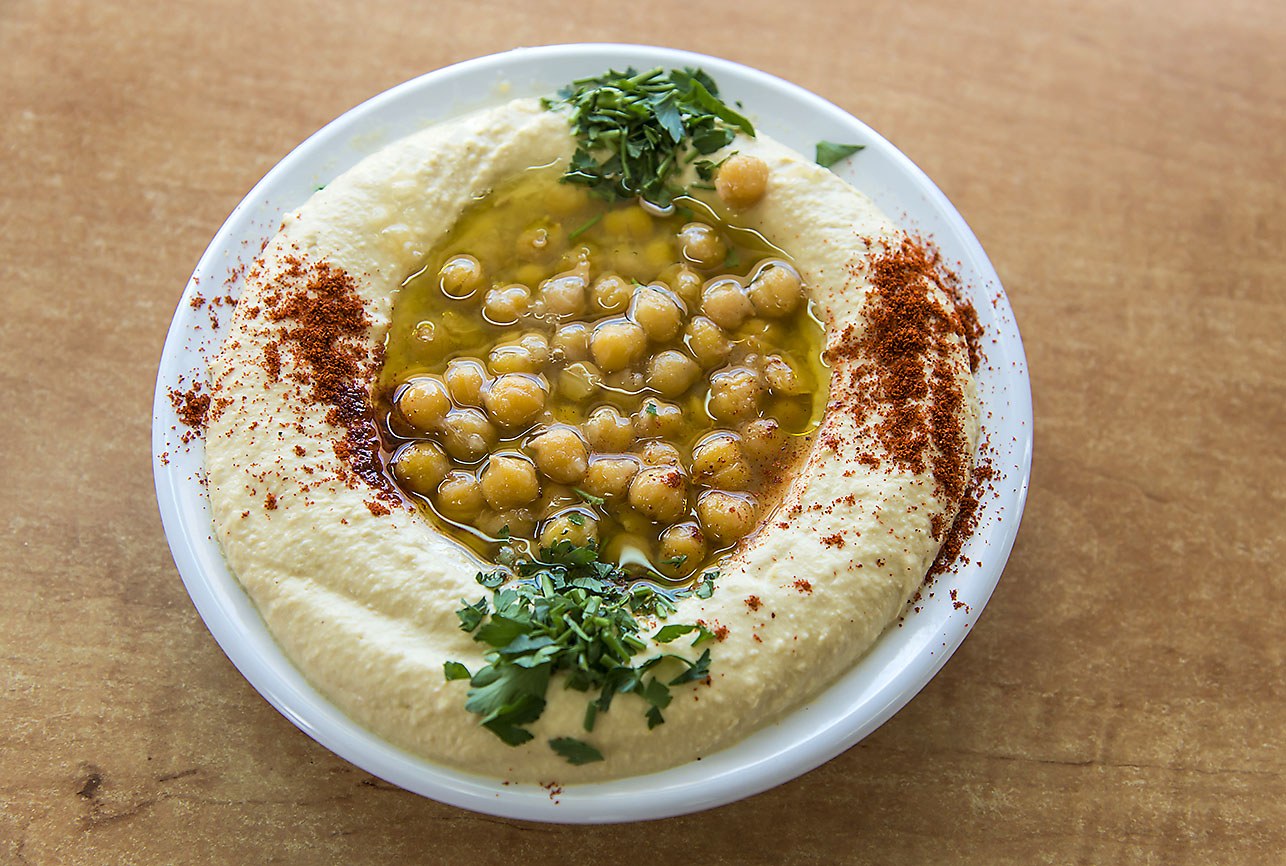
(814, 733)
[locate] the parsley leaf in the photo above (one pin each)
(589, 497)
(575, 751)
(705, 587)
(455, 671)
(633, 130)
(829, 153)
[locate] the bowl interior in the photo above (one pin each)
(899, 665)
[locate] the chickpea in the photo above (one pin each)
(508, 481)
(629, 222)
(608, 431)
(684, 282)
(528, 354)
(466, 379)
(682, 549)
(420, 467)
(718, 462)
(565, 199)
(579, 381)
(616, 344)
(572, 341)
(701, 245)
(741, 180)
(658, 253)
(725, 303)
(658, 453)
(505, 305)
(726, 517)
(514, 400)
(658, 419)
(781, 377)
(459, 497)
(540, 243)
(460, 276)
(776, 290)
(625, 381)
(610, 477)
(658, 312)
(734, 394)
(611, 294)
(578, 527)
(560, 454)
(467, 434)
(707, 342)
(518, 521)
(660, 493)
(672, 372)
(763, 439)
(424, 402)
(564, 295)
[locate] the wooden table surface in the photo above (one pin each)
(1121, 699)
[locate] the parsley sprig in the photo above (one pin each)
(566, 613)
(634, 130)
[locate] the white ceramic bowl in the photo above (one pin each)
(899, 665)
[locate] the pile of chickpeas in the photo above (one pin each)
(594, 406)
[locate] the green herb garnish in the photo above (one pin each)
(455, 671)
(575, 751)
(588, 497)
(633, 129)
(566, 613)
(571, 236)
(705, 586)
(829, 153)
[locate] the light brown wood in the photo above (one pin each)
(1120, 701)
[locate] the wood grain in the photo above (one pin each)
(1121, 699)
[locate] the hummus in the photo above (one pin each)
(361, 591)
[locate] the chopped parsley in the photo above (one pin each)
(635, 130)
(567, 613)
(829, 153)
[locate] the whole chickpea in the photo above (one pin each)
(508, 481)
(682, 549)
(611, 293)
(466, 379)
(657, 453)
(572, 341)
(560, 454)
(701, 245)
(657, 312)
(459, 496)
(763, 439)
(776, 290)
(610, 477)
(684, 282)
(707, 342)
(424, 402)
(616, 344)
(726, 517)
(564, 295)
(460, 276)
(505, 305)
(717, 461)
(577, 526)
(528, 354)
(420, 467)
(514, 400)
(608, 431)
(658, 419)
(671, 372)
(467, 434)
(725, 303)
(782, 378)
(579, 381)
(742, 180)
(734, 394)
(659, 493)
